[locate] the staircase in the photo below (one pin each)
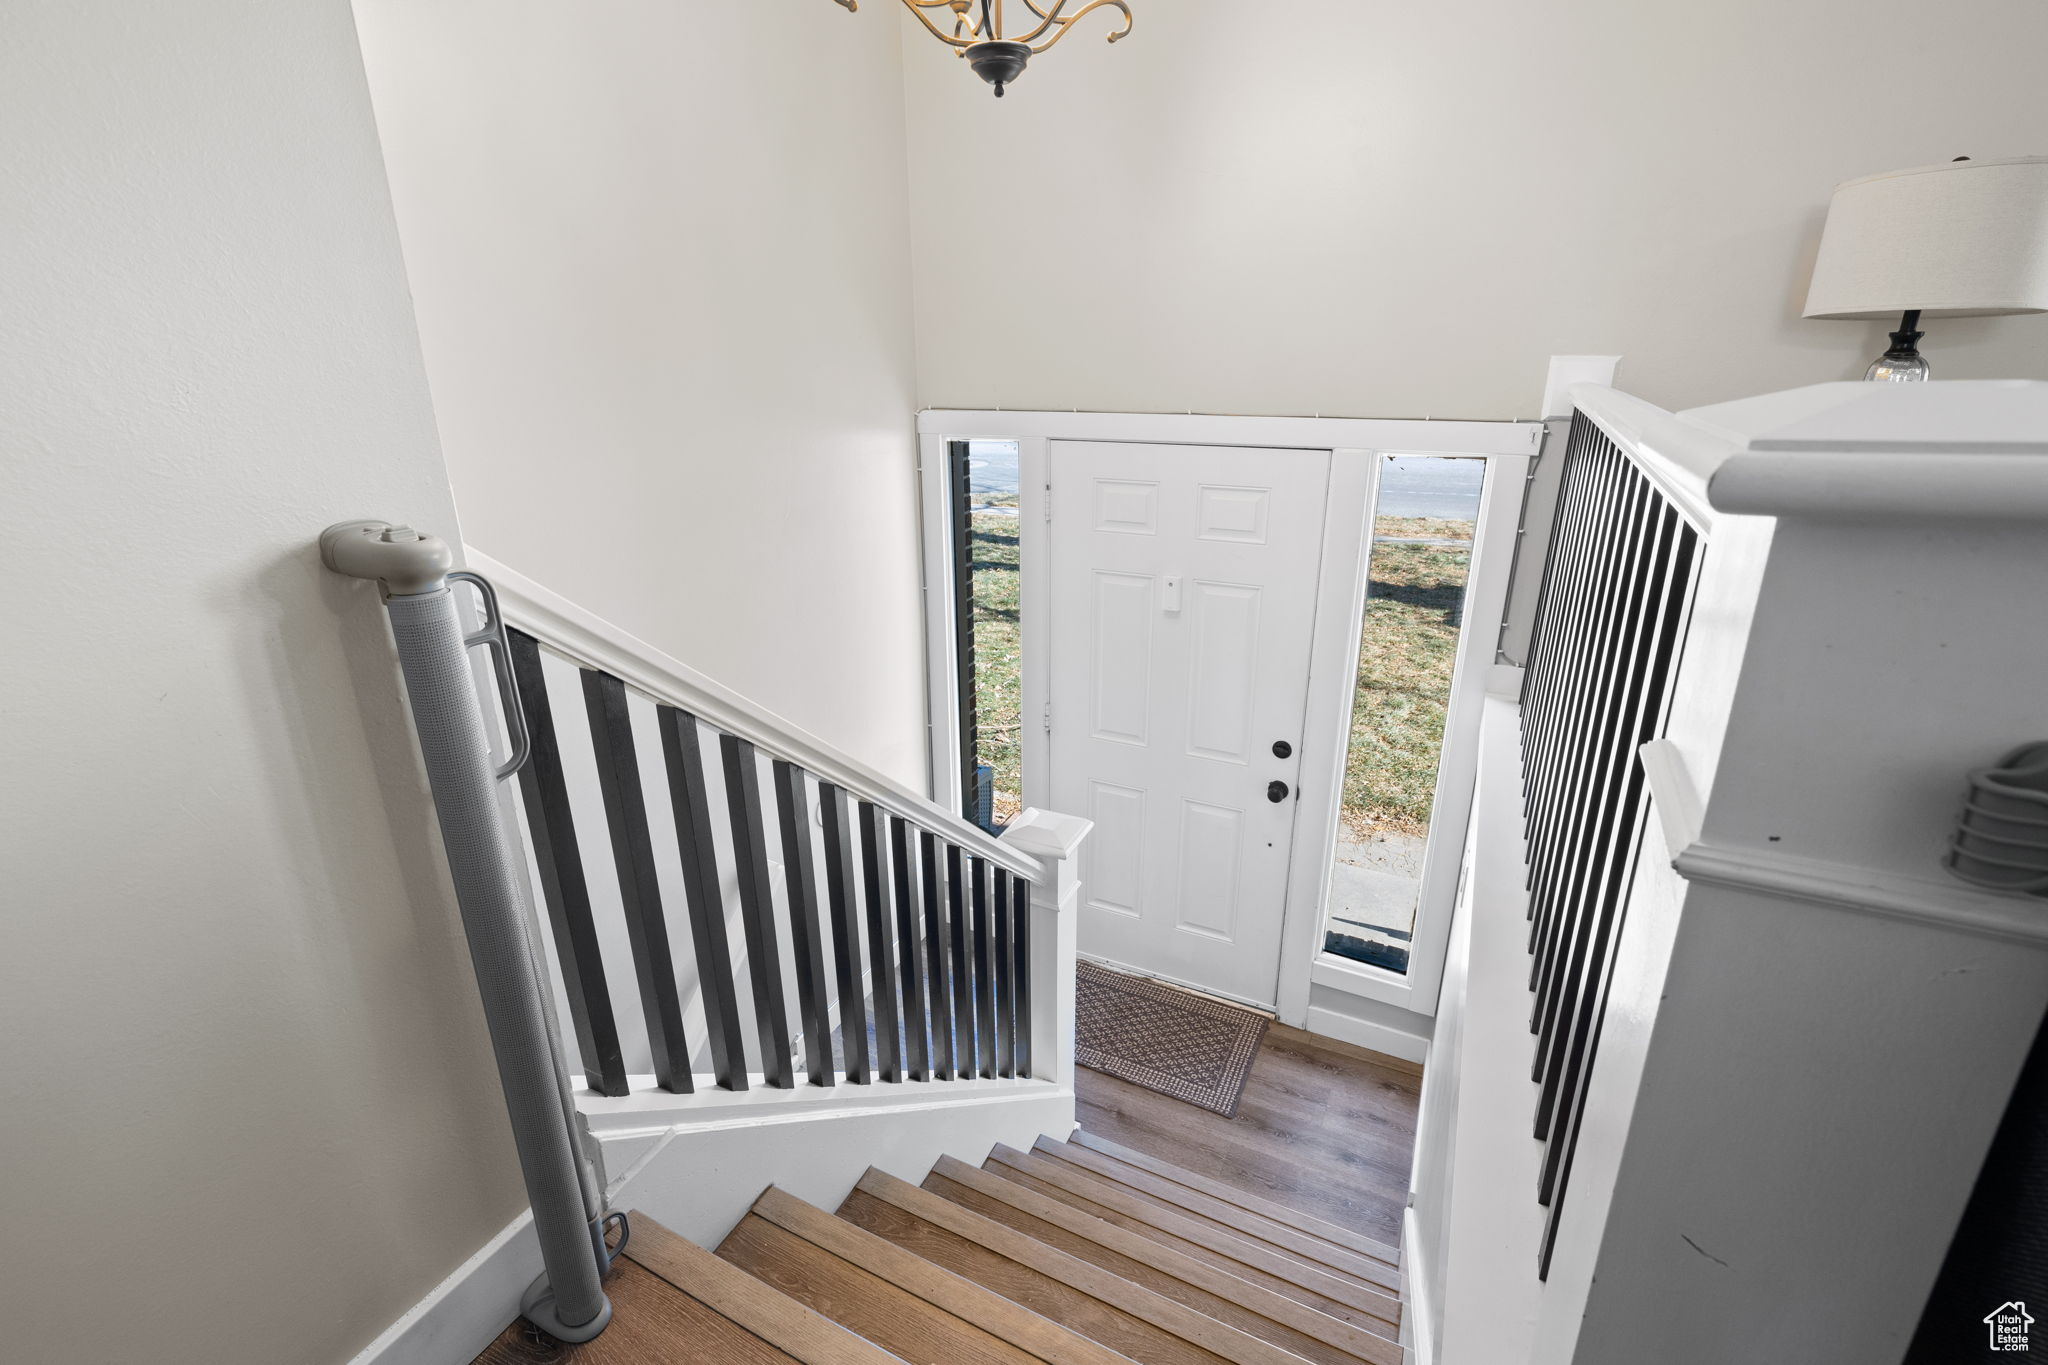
(1074, 1253)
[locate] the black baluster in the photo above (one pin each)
(1020, 928)
(625, 807)
(682, 749)
(936, 965)
(839, 895)
(984, 975)
(916, 1046)
(881, 964)
(801, 882)
(544, 792)
(959, 938)
(757, 909)
(1005, 983)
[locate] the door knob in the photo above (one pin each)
(1276, 790)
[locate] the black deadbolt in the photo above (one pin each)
(1281, 748)
(1276, 790)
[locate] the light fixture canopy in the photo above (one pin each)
(996, 54)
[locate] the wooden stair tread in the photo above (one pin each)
(653, 1323)
(1361, 1306)
(1108, 1326)
(1381, 1317)
(1118, 1204)
(1040, 1337)
(1286, 1322)
(1267, 1208)
(1128, 1318)
(1358, 1189)
(1231, 1214)
(896, 1321)
(751, 1303)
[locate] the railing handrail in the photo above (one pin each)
(1678, 458)
(589, 640)
(1969, 449)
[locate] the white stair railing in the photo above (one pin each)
(1770, 1036)
(851, 945)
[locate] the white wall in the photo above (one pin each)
(1387, 209)
(659, 253)
(247, 1112)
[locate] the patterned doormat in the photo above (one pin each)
(1182, 1045)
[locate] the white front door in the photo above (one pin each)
(1183, 590)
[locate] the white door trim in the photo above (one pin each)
(1034, 598)
(1340, 611)
(1352, 441)
(942, 645)
(1408, 435)
(1326, 724)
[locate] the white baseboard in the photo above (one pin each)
(1345, 1028)
(699, 1179)
(1418, 1297)
(466, 1311)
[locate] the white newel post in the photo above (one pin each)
(1056, 841)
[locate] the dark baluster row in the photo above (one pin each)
(697, 842)
(929, 946)
(544, 792)
(1610, 625)
(625, 812)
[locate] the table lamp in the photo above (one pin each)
(1960, 240)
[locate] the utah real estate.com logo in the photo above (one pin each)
(2008, 1324)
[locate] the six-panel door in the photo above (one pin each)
(1183, 589)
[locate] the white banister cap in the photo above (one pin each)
(1046, 833)
(1958, 448)
(1945, 417)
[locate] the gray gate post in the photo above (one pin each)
(568, 1302)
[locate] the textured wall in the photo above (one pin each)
(247, 1111)
(660, 258)
(1399, 210)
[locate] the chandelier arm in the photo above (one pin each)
(1079, 14)
(918, 7)
(1046, 19)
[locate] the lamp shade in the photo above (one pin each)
(1966, 239)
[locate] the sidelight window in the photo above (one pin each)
(1427, 511)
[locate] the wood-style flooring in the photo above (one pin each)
(1159, 1234)
(1324, 1128)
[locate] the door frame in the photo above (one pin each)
(1340, 620)
(1354, 445)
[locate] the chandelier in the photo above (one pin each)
(996, 57)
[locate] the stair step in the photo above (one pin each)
(1122, 1316)
(1232, 1213)
(652, 1324)
(1260, 1312)
(863, 1303)
(1191, 1234)
(1267, 1208)
(753, 1304)
(1039, 1337)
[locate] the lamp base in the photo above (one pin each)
(1903, 363)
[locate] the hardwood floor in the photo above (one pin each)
(1324, 1128)
(1159, 1233)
